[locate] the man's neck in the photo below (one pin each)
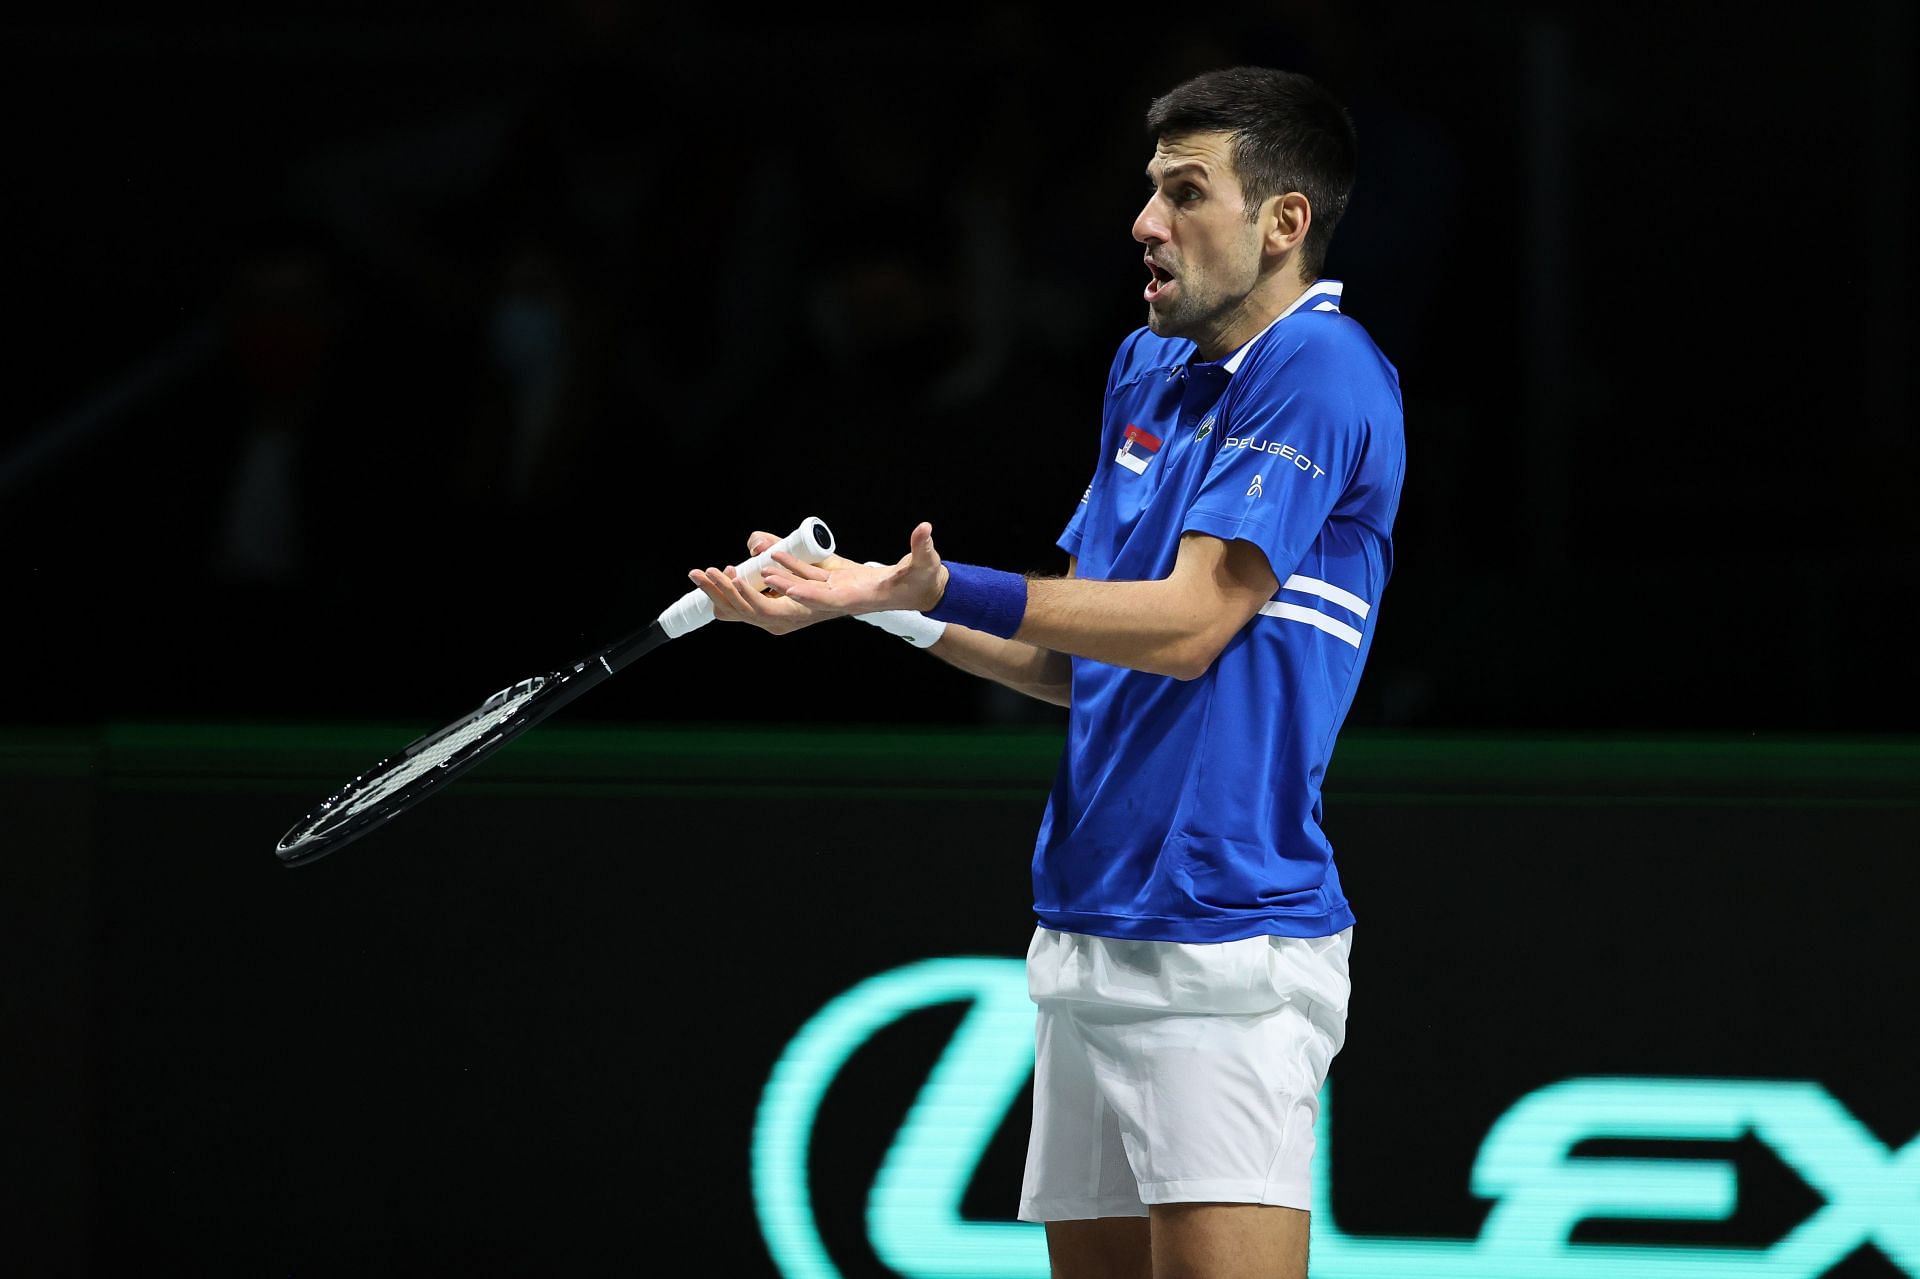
(1260, 308)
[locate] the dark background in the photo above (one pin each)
(365, 361)
(525, 1029)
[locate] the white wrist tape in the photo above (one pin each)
(917, 629)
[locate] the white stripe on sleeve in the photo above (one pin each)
(1298, 613)
(1327, 591)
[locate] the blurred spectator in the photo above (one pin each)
(533, 330)
(282, 326)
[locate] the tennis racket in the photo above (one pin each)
(397, 783)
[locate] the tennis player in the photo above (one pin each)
(1226, 565)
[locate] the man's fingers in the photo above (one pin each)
(808, 595)
(727, 590)
(749, 597)
(727, 581)
(920, 547)
(716, 587)
(799, 568)
(802, 592)
(758, 541)
(733, 602)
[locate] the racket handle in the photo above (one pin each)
(810, 543)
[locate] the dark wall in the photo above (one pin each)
(529, 1027)
(361, 363)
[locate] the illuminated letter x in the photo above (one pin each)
(1543, 1191)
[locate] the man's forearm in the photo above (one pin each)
(1022, 667)
(1147, 626)
(1176, 625)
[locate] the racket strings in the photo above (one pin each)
(439, 751)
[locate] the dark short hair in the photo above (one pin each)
(1289, 134)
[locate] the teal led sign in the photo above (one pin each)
(1539, 1189)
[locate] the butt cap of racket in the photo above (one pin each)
(810, 543)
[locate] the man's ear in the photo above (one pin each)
(1284, 220)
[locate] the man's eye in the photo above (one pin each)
(1187, 195)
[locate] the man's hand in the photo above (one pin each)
(734, 602)
(837, 587)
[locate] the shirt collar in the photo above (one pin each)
(1326, 291)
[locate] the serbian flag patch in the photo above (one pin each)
(1137, 449)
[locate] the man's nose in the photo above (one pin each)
(1150, 227)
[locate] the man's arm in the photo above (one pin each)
(1174, 626)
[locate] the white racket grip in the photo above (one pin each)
(811, 543)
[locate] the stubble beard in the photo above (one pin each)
(1185, 318)
(1197, 310)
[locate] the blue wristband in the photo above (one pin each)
(983, 599)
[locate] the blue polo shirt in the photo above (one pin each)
(1189, 811)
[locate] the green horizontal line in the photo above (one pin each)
(543, 789)
(608, 790)
(1378, 766)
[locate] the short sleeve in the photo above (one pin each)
(1076, 531)
(1288, 452)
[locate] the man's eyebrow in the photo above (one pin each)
(1182, 167)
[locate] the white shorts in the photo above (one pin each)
(1170, 1072)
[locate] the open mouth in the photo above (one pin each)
(1161, 281)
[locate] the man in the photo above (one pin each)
(1226, 566)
